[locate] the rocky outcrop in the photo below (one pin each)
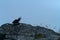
(27, 32)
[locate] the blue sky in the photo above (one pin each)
(35, 12)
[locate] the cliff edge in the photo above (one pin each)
(25, 31)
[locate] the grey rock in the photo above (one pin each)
(25, 31)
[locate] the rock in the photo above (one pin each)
(25, 31)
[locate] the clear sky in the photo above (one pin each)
(35, 12)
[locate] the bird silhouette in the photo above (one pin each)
(16, 21)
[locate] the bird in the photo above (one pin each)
(16, 21)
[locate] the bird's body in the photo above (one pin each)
(16, 21)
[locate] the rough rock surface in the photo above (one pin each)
(27, 32)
